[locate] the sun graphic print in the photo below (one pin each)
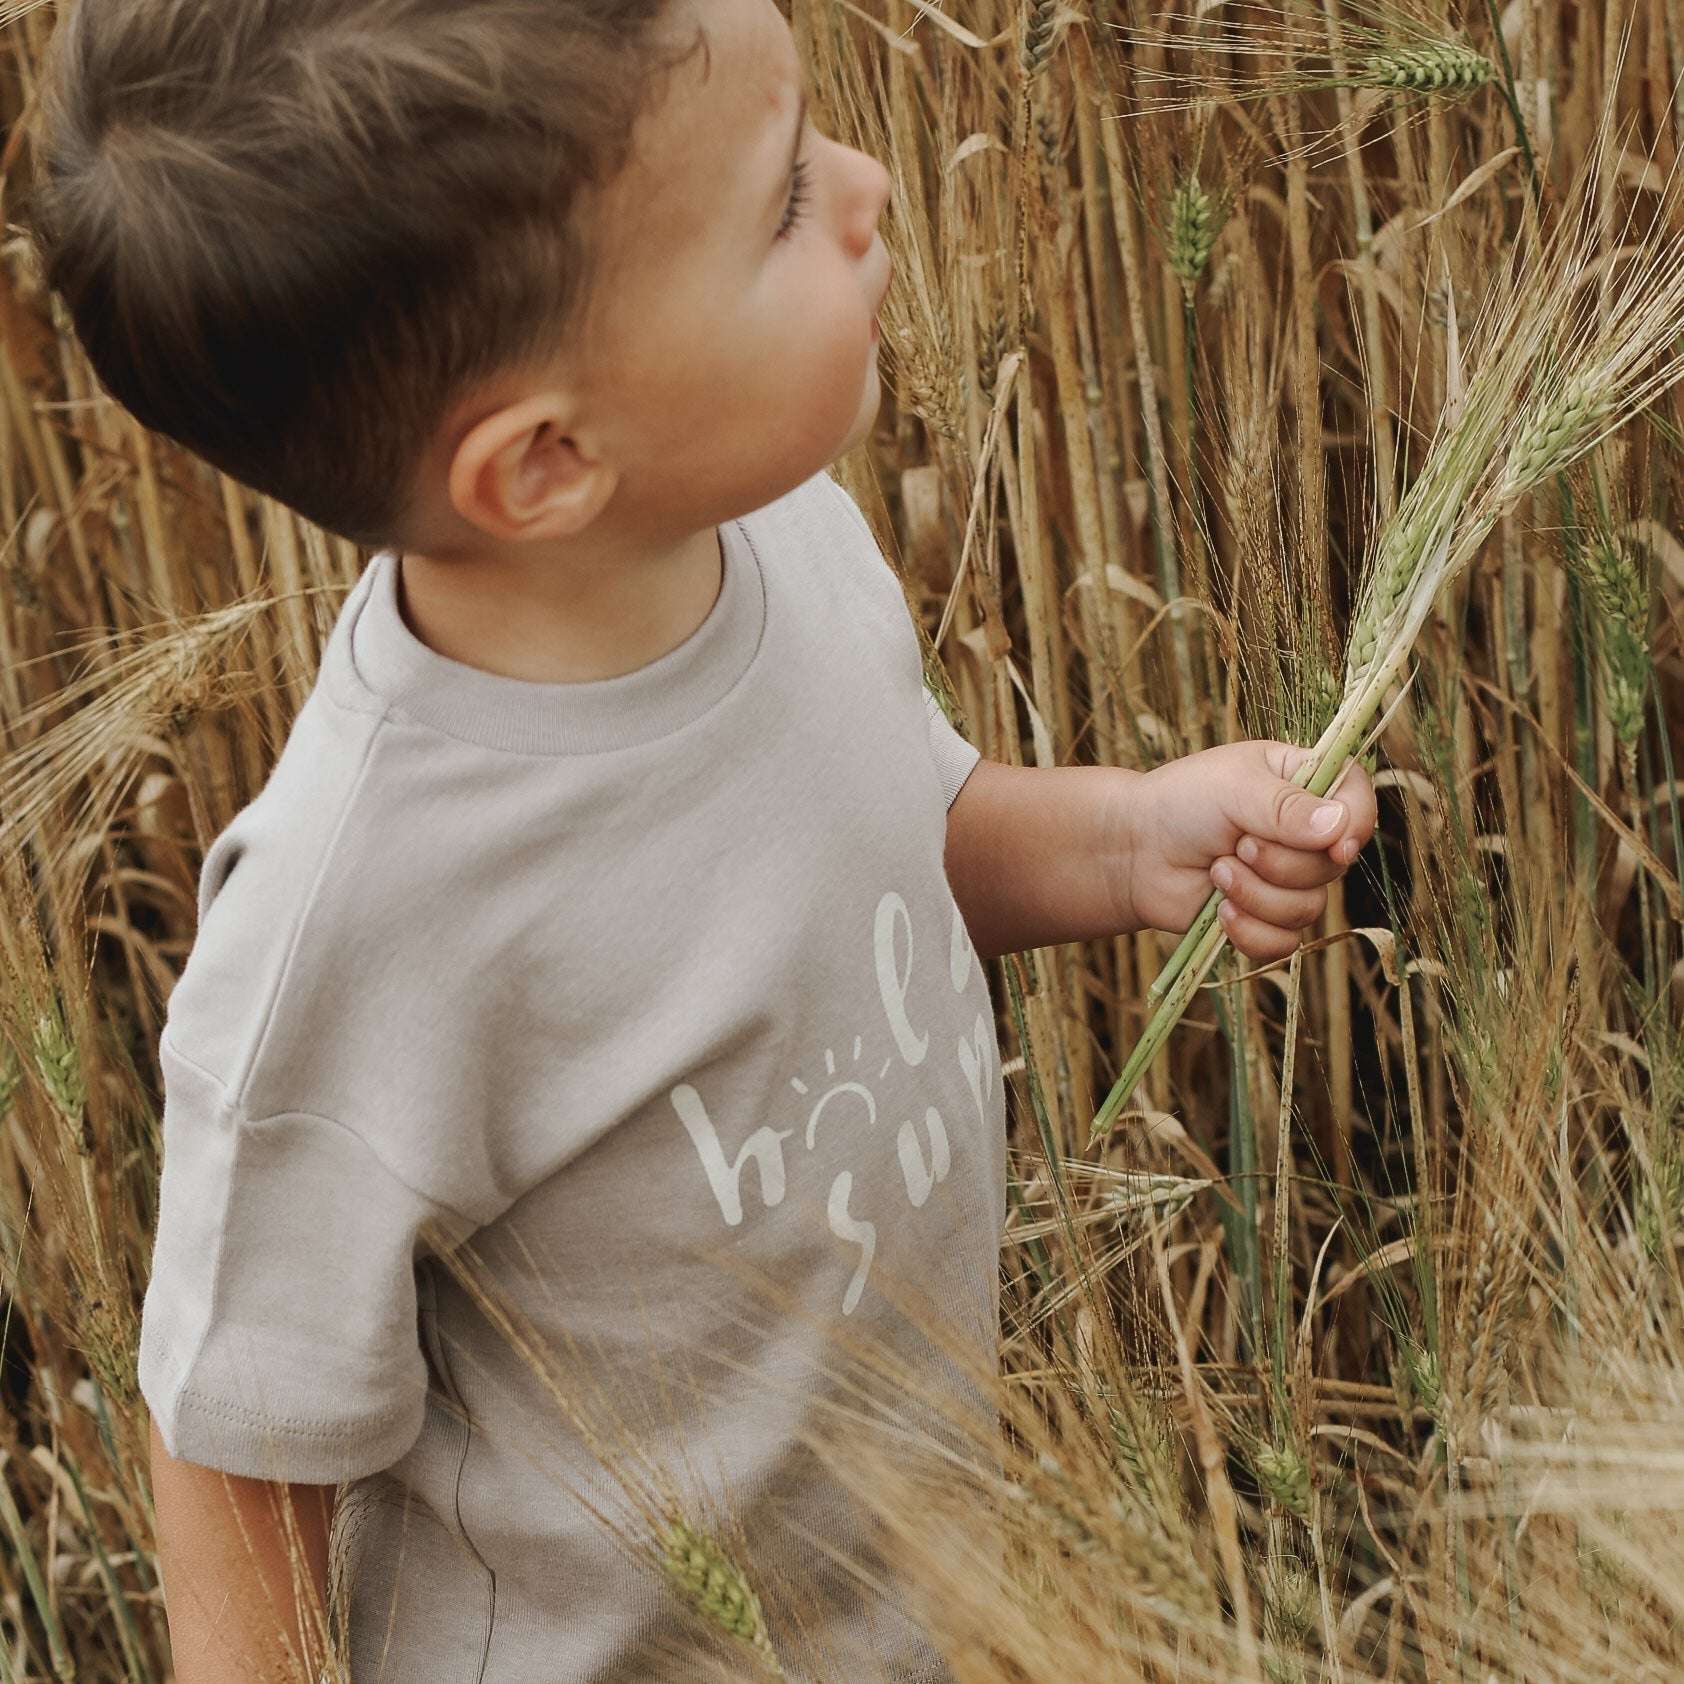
(848, 1102)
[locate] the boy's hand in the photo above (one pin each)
(1231, 818)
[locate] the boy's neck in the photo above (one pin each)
(549, 623)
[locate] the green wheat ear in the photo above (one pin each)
(1284, 1475)
(1557, 427)
(1611, 572)
(1289, 1604)
(58, 1065)
(716, 1588)
(1425, 1379)
(1396, 568)
(1658, 1199)
(1610, 568)
(1192, 230)
(1441, 67)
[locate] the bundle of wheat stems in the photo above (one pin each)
(1571, 345)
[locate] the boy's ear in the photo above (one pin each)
(519, 473)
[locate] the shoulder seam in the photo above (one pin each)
(304, 911)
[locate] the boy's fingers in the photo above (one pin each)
(1255, 939)
(1285, 909)
(1292, 868)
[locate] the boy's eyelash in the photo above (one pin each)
(797, 199)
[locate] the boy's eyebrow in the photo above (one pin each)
(795, 150)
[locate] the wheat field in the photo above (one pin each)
(1350, 1346)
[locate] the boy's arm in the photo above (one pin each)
(1025, 851)
(1038, 855)
(231, 1605)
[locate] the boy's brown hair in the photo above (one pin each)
(291, 233)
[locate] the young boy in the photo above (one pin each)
(618, 902)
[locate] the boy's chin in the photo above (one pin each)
(866, 419)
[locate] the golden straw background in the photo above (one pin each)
(1353, 1351)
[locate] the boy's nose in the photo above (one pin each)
(871, 195)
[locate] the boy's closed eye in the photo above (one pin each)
(798, 196)
(797, 175)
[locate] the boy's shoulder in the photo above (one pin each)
(329, 920)
(821, 518)
(819, 506)
(256, 884)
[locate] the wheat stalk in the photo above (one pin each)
(1568, 355)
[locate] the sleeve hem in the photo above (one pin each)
(970, 764)
(215, 1434)
(955, 758)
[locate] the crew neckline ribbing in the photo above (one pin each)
(590, 717)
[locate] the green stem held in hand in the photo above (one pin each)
(1179, 980)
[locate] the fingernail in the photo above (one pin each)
(1325, 819)
(1247, 849)
(1222, 875)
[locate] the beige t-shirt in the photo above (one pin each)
(636, 993)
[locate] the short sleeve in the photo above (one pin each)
(955, 758)
(279, 1337)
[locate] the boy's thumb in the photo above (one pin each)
(1286, 813)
